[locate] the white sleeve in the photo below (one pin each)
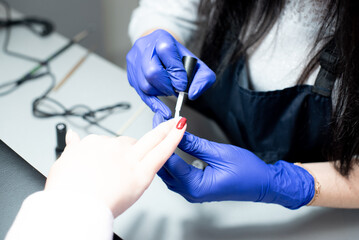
(48, 215)
(177, 16)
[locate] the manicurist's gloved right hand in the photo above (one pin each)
(154, 68)
(236, 174)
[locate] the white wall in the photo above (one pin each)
(116, 17)
(107, 18)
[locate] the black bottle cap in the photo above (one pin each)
(189, 64)
(61, 138)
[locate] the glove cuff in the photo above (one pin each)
(289, 185)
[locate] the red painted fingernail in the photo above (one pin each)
(181, 123)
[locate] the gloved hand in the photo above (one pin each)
(154, 68)
(234, 173)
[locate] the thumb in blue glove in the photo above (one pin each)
(234, 173)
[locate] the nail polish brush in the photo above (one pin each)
(189, 64)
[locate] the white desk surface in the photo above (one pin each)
(160, 213)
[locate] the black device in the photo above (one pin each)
(18, 179)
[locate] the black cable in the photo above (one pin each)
(88, 115)
(8, 35)
(11, 86)
(58, 110)
(36, 25)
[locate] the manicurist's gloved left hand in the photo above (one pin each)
(234, 173)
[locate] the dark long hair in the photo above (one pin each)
(242, 23)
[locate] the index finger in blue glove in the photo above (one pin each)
(208, 151)
(158, 118)
(157, 105)
(169, 54)
(153, 102)
(157, 79)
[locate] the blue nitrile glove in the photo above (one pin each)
(154, 68)
(234, 173)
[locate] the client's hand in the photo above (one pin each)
(114, 170)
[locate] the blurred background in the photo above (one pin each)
(107, 19)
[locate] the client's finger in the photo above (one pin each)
(155, 158)
(126, 140)
(152, 139)
(71, 137)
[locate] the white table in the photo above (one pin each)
(160, 213)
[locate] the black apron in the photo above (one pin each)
(290, 124)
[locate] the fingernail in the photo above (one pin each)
(181, 123)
